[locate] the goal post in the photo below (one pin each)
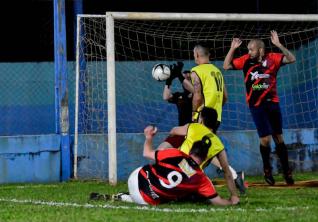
(139, 40)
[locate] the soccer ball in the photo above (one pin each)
(161, 72)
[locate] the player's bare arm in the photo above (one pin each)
(188, 85)
(149, 133)
(197, 99)
(228, 176)
(236, 42)
(179, 130)
(166, 95)
(220, 201)
(225, 95)
(288, 56)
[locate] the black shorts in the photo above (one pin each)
(267, 118)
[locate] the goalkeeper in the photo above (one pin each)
(182, 100)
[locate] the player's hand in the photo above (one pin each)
(176, 69)
(236, 42)
(235, 200)
(150, 131)
(274, 38)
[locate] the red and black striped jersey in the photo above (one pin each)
(260, 77)
(174, 175)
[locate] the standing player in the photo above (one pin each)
(209, 91)
(208, 84)
(260, 72)
(174, 176)
(183, 101)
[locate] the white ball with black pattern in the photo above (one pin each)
(161, 72)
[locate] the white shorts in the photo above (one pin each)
(134, 188)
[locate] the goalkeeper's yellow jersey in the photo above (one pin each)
(212, 86)
(196, 131)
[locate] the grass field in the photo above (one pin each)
(69, 202)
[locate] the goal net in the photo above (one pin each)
(139, 44)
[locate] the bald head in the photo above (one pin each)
(258, 43)
(256, 49)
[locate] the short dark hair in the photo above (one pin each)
(209, 117)
(203, 48)
(201, 148)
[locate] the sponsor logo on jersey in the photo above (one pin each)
(262, 86)
(255, 75)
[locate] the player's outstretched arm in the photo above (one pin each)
(221, 202)
(149, 133)
(228, 175)
(288, 56)
(236, 42)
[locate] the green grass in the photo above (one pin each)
(18, 202)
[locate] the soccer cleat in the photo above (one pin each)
(239, 182)
(269, 177)
(289, 178)
(98, 196)
(119, 196)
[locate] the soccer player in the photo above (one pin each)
(260, 72)
(183, 101)
(208, 84)
(194, 131)
(174, 176)
(209, 91)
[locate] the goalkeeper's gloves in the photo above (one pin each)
(176, 70)
(169, 81)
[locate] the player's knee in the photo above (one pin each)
(278, 139)
(265, 141)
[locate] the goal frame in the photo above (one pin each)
(110, 46)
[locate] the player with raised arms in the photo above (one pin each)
(260, 73)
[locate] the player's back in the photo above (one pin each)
(173, 176)
(212, 86)
(196, 131)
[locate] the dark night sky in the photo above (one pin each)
(27, 26)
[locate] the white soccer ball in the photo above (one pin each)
(161, 72)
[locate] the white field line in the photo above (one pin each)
(29, 186)
(149, 208)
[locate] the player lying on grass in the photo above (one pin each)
(175, 176)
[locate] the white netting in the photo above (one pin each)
(141, 44)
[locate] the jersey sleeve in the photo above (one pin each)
(206, 188)
(238, 63)
(277, 58)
